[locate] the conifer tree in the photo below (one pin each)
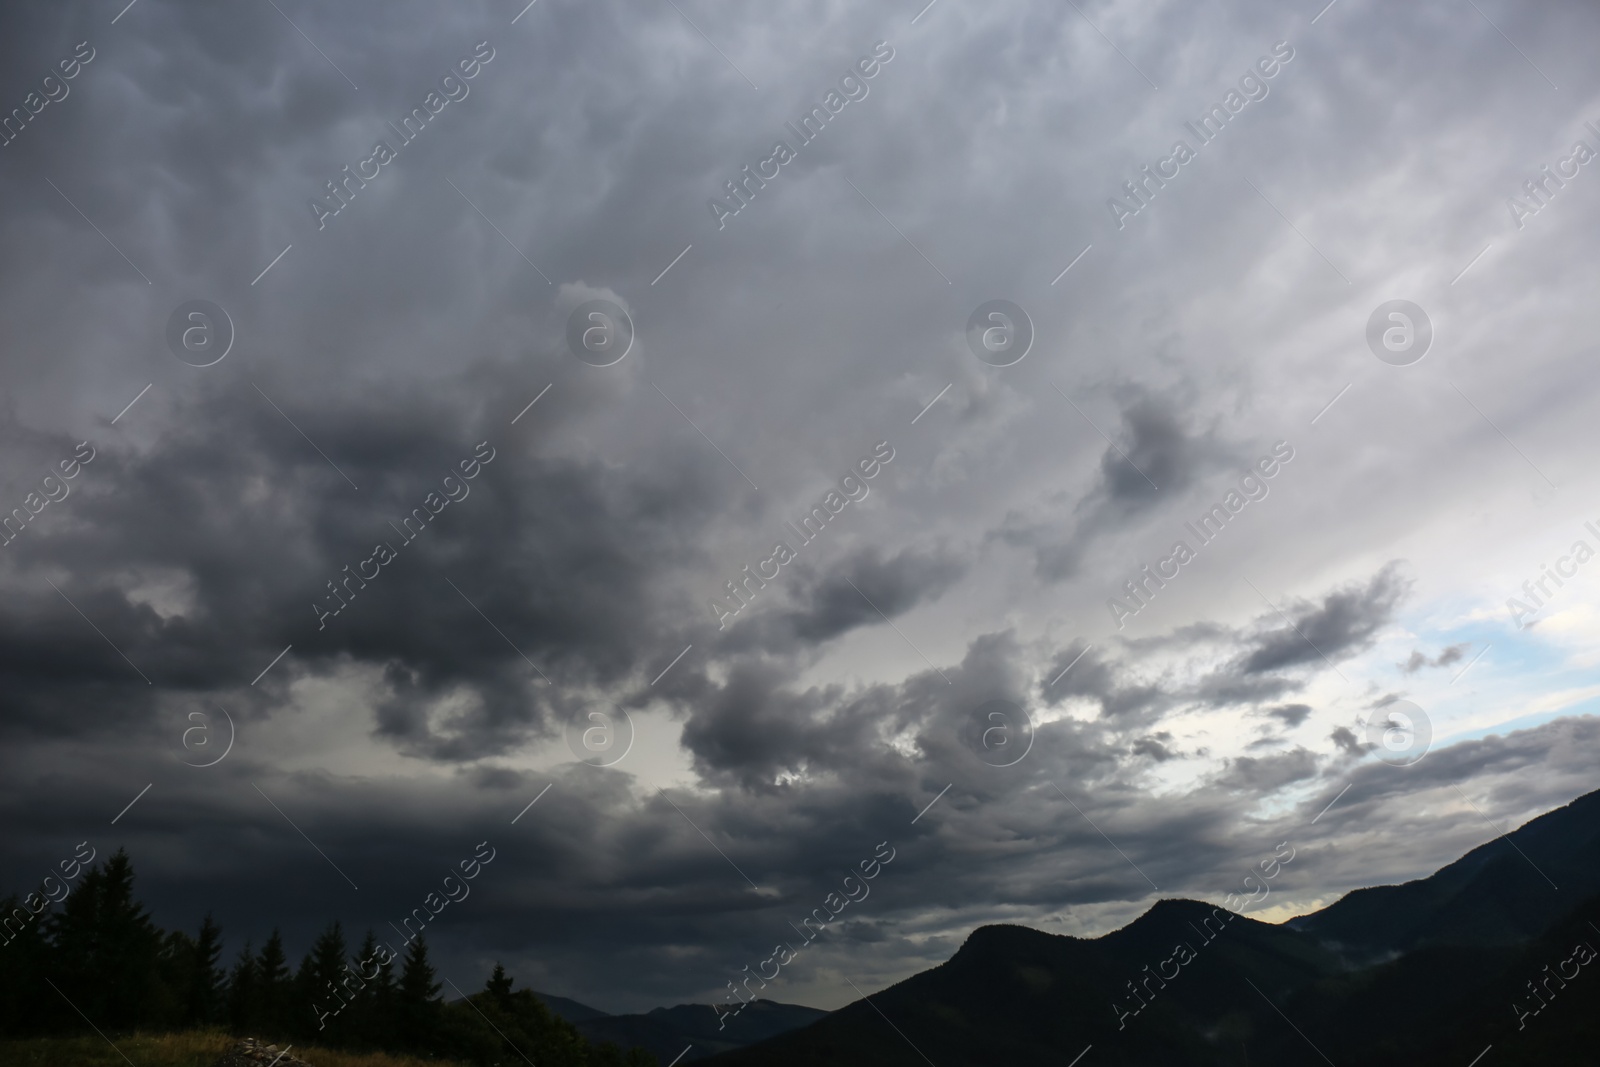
(321, 987)
(328, 959)
(368, 1011)
(24, 954)
(73, 939)
(127, 949)
(106, 948)
(167, 1005)
(499, 987)
(100, 948)
(244, 997)
(274, 987)
(203, 1000)
(386, 1002)
(303, 1002)
(416, 999)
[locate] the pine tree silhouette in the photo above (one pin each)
(370, 1011)
(274, 987)
(23, 961)
(100, 948)
(244, 1000)
(204, 996)
(128, 945)
(168, 1001)
(321, 984)
(386, 1004)
(499, 987)
(107, 947)
(417, 998)
(72, 933)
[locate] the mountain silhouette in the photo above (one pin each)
(570, 1010)
(1503, 893)
(1430, 972)
(668, 1032)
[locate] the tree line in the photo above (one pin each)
(98, 961)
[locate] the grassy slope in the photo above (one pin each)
(197, 1048)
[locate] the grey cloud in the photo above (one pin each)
(1227, 688)
(1343, 624)
(1155, 746)
(852, 592)
(1419, 659)
(1100, 679)
(1347, 741)
(1267, 774)
(1158, 449)
(1291, 715)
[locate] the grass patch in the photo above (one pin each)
(195, 1048)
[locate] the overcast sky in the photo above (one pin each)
(1223, 323)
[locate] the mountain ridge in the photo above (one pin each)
(1192, 983)
(665, 1032)
(1492, 895)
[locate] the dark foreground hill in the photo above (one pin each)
(1488, 953)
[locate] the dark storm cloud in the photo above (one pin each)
(416, 325)
(756, 726)
(1155, 450)
(1104, 681)
(252, 525)
(1160, 447)
(1256, 669)
(850, 593)
(606, 868)
(1343, 624)
(752, 727)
